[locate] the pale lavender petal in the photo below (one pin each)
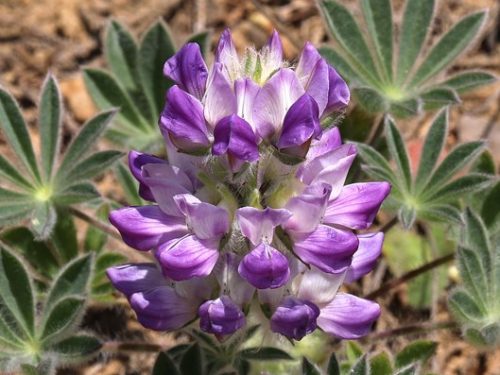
(338, 92)
(295, 318)
(365, 258)
(226, 55)
(146, 227)
(258, 225)
(330, 249)
(200, 288)
(188, 70)
(162, 309)
(246, 90)
(221, 316)
(313, 74)
(234, 136)
(330, 140)
(348, 317)
(317, 286)
(136, 160)
(205, 220)
(330, 168)
(272, 55)
(190, 164)
(357, 205)
(182, 120)
(230, 281)
(188, 257)
(307, 208)
(300, 125)
(133, 278)
(273, 101)
(219, 100)
(265, 267)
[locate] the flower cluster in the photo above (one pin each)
(251, 205)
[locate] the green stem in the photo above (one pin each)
(411, 329)
(106, 228)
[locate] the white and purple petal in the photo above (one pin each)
(246, 90)
(317, 286)
(227, 56)
(330, 140)
(219, 100)
(365, 258)
(258, 225)
(348, 317)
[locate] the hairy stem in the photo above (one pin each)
(412, 329)
(106, 228)
(394, 283)
(119, 346)
(387, 226)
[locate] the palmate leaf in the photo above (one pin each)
(462, 82)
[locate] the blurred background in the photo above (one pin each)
(61, 36)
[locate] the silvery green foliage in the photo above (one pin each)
(434, 192)
(391, 72)
(475, 304)
(39, 334)
(34, 189)
(61, 248)
(134, 83)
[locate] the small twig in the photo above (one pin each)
(493, 120)
(376, 130)
(118, 347)
(108, 229)
(411, 329)
(394, 283)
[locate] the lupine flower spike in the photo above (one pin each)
(251, 203)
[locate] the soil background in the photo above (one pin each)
(61, 36)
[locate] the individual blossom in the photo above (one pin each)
(251, 206)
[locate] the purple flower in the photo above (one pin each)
(221, 316)
(295, 318)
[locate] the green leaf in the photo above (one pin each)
(92, 166)
(405, 108)
(473, 274)
(16, 132)
(407, 216)
(107, 93)
(13, 213)
(95, 239)
(476, 238)
(489, 211)
(360, 367)
(43, 221)
(399, 154)
(11, 173)
(418, 351)
(456, 160)
(156, 48)
(62, 317)
(370, 99)
(8, 197)
(309, 368)
(333, 366)
(449, 47)
(164, 365)
(353, 351)
(441, 212)
(64, 237)
(374, 159)
(50, 124)
(410, 370)
(72, 280)
(76, 348)
(468, 80)
(346, 30)
(121, 54)
(77, 193)
(106, 260)
(485, 164)
(455, 189)
(203, 39)
(345, 69)
(129, 184)
(433, 146)
(29, 370)
(416, 20)
(464, 308)
(16, 291)
(264, 354)
(85, 139)
(381, 364)
(439, 97)
(378, 15)
(192, 361)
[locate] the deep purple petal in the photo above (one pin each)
(295, 318)
(273, 101)
(219, 100)
(133, 278)
(226, 55)
(300, 125)
(330, 249)
(188, 257)
(188, 70)
(330, 168)
(357, 205)
(308, 208)
(265, 267)
(205, 220)
(221, 316)
(182, 119)
(338, 92)
(136, 160)
(246, 90)
(162, 309)
(146, 227)
(365, 258)
(234, 136)
(258, 225)
(348, 317)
